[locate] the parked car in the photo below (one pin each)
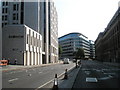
(66, 61)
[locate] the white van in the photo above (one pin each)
(66, 61)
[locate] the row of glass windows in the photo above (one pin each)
(15, 7)
(4, 17)
(33, 41)
(5, 23)
(4, 10)
(4, 3)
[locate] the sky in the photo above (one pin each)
(89, 17)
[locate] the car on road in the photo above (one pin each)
(66, 61)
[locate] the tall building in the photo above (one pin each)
(40, 31)
(0, 32)
(107, 45)
(92, 49)
(71, 42)
(53, 33)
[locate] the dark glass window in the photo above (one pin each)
(3, 3)
(6, 10)
(17, 17)
(6, 3)
(5, 23)
(22, 18)
(22, 12)
(14, 16)
(14, 7)
(2, 24)
(3, 10)
(2, 18)
(5, 17)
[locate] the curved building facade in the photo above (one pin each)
(71, 42)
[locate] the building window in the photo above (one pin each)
(14, 16)
(6, 10)
(3, 3)
(6, 3)
(2, 18)
(17, 17)
(22, 18)
(2, 24)
(14, 7)
(5, 23)
(5, 17)
(3, 10)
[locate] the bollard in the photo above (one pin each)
(55, 86)
(66, 74)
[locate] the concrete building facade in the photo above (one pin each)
(92, 49)
(71, 42)
(22, 44)
(38, 17)
(53, 33)
(107, 45)
(0, 31)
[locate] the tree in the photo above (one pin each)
(79, 54)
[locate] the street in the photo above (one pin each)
(32, 78)
(91, 74)
(95, 74)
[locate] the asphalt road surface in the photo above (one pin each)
(94, 74)
(32, 78)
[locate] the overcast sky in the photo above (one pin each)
(88, 17)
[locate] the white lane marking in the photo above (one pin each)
(110, 73)
(91, 79)
(13, 79)
(104, 78)
(40, 72)
(87, 72)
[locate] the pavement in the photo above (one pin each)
(68, 83)
(17, 67)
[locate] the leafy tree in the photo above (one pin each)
(79, 54)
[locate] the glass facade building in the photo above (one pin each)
(71, 42)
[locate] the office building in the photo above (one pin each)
(92, 49)
(0, 33)
(22, 44)
(37, 17)
(71, 42)
(107, 45)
